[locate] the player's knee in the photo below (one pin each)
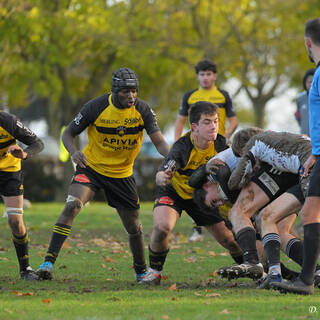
(266, 215)
(134, 229)
(72, 207)
(161, 231)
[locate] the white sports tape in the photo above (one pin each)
(12, 211)
(71, 198)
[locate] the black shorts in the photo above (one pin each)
(297, 192)
(274, 182)
(11, 183)
(120, 192)
(168, 197)
(314, 182)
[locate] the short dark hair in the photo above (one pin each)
(204, 65)
(308, 73)
(312, 30)
(241, 137)
(199, 108)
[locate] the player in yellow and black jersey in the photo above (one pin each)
(115, 124)
(11, 182)
(206, 72)
(175, 195)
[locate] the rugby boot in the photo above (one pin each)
(153, 277)
(139, 276)
(45, 271)
(245, 270)
(222, 272)
(268, 280)
(297, 286)
(28, 274)
(317, 279)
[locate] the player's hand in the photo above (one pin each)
(212, 165)
(308, 165)
(79, 159)
(17, 152)
(163, 178)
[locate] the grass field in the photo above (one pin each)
(93, 277)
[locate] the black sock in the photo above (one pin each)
(311, 251)
(59, 235)
(21, 245)
(246, 239)
(294, 250)
(238, 258)
(157, 259)
(271, 244)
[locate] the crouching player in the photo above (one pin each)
(11, 182)
(175, 195)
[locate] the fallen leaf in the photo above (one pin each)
(213, 274)
(190, 260)
(28, 294)
(17, 293)
(9, 311)
(213, 295)
(211, 253)
(173, 287)
(198, 294)
(46, 300)
(225, 311)
(165, 317)
(103, 265)
(62, 266)
(224, 254)
(108, 259)
(174, 299)
(66, 245)
(164, 277)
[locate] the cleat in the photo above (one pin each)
(45, 271)
(196, 236)
(245, 270)
(28, 274)
(268, 280)
(153, 277)
(222, 272)
(296, 286)
(316, 281)
(139, 276)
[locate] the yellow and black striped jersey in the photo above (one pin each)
(215, 95)
(11, 130)
(187, 159)
(114, 135)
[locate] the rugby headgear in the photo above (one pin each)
(124, 78)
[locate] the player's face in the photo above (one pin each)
(213, 199)
(206, 79)
(308, 45)
(309, 82)
(208, 126)
(127, 97)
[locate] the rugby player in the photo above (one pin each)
(174, 195)
(11, 182)
(311, 210)
(259, 188)
(114, 124)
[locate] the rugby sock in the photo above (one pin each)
(311, 251)
(271, 243)
(21, 245)
(157, 259)
(136, 243)
(237, 257)
(294, 250)
(246, 239)
(59, 235)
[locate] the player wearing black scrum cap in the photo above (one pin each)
(114, 123)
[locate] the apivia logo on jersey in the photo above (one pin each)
(118, 144)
